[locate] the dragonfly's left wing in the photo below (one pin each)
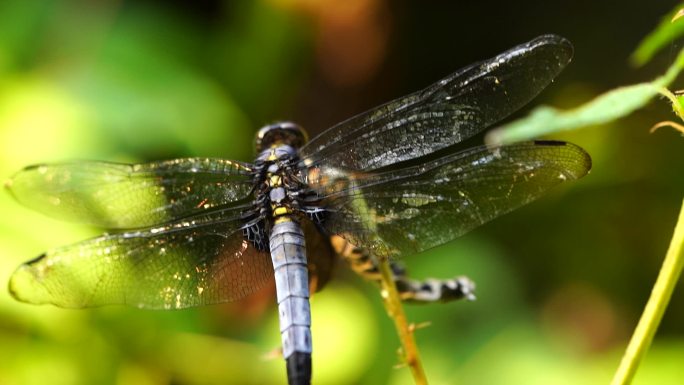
(201, 260)
(406, 211)
(114, 195)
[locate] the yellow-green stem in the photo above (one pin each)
(396, 312)
(655, 308)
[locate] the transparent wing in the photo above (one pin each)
(123, 196)
(202, 260)
(445, 113)
(413, 209)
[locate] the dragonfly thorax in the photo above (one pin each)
(279, 194)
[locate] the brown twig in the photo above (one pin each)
(395, 310)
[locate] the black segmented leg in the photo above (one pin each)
(429, 290)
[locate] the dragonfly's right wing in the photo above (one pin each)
(114, 195)
(201, 260)
(409, 210)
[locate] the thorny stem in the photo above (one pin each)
(655, 308)
(676, 105)
(396, 312)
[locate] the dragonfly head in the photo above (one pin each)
(281, 133)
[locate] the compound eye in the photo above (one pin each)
(281, 133)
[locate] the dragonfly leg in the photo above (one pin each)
(410, 290)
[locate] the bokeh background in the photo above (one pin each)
(561, 282)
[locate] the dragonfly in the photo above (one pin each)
(387, 183)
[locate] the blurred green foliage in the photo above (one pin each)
(560, 283)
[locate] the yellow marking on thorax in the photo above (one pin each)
(275, 181)
(281, 210)
(283, 218)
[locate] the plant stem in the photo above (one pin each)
(655, 308)
(396, 312)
